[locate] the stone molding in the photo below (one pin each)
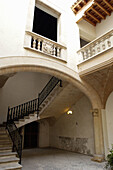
(95, 112)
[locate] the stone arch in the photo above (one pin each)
(15, 64)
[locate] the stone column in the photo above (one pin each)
(105, 132)
(98, 135)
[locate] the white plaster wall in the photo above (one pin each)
(104, 26)
(78, 127)
(14, 20)
(20, 88)
(43, 133)
(13, 15)
(87, 31)
(109, 119)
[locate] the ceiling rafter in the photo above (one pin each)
(100, 6)
(92, 16)
(95, 10)
(88, 20)
(98, 13)
(108, 4)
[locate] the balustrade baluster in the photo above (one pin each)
(16, 112)
(39, 44)
(108, 41)
(89, 52)
(22, 111)
(93, 49)
(26, 109)
(34, 42)
(98, 46)
(58, 52)
(54, 50)
(103, 44)
(19, 111)
(85, 55)
(33, 105)
(111, 39)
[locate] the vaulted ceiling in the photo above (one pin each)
(102, 82)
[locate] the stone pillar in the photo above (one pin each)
(105, 132)
(98, 136)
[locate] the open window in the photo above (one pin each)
(45, 24)
(83, 42)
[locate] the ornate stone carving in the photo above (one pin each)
(47, 47)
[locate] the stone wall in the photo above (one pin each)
(74, 132)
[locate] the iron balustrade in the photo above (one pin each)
(18, 112)
(15, 137)
(47, 90)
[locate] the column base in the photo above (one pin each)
(98, 158)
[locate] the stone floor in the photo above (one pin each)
(54, 159)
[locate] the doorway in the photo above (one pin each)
(31, 135)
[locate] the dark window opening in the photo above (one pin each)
(83, 42)
(45, 24)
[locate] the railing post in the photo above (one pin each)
(38, 105)
(8, 114)
(60, 83)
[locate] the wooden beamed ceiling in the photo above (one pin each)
(96, 12)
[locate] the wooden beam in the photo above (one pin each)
(98, 13)
(89, 21)
(74, 6)
(74, 10)
(102, 8)
(92, 16)
(110, 6)
(85, 2)
(79, 6)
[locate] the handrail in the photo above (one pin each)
(15, 137)
(47, 89)
(18, 112)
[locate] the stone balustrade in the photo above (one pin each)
(96, 47)
(44, 45)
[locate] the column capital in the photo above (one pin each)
(95, 112)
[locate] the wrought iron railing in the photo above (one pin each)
(47, 89)
(18, 112)
(15, 137)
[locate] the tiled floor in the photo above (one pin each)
(54, 159)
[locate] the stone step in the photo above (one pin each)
(6, 138)
(3, 132)
(6, 149)
(26, 117)
(9, 160)
(21, 120)
(5, 144)
(13, 166)
(7, 154)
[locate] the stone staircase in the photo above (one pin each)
(33, 116)
(8, 159)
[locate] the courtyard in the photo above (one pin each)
(55, 159)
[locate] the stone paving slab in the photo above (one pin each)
(54, 159)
